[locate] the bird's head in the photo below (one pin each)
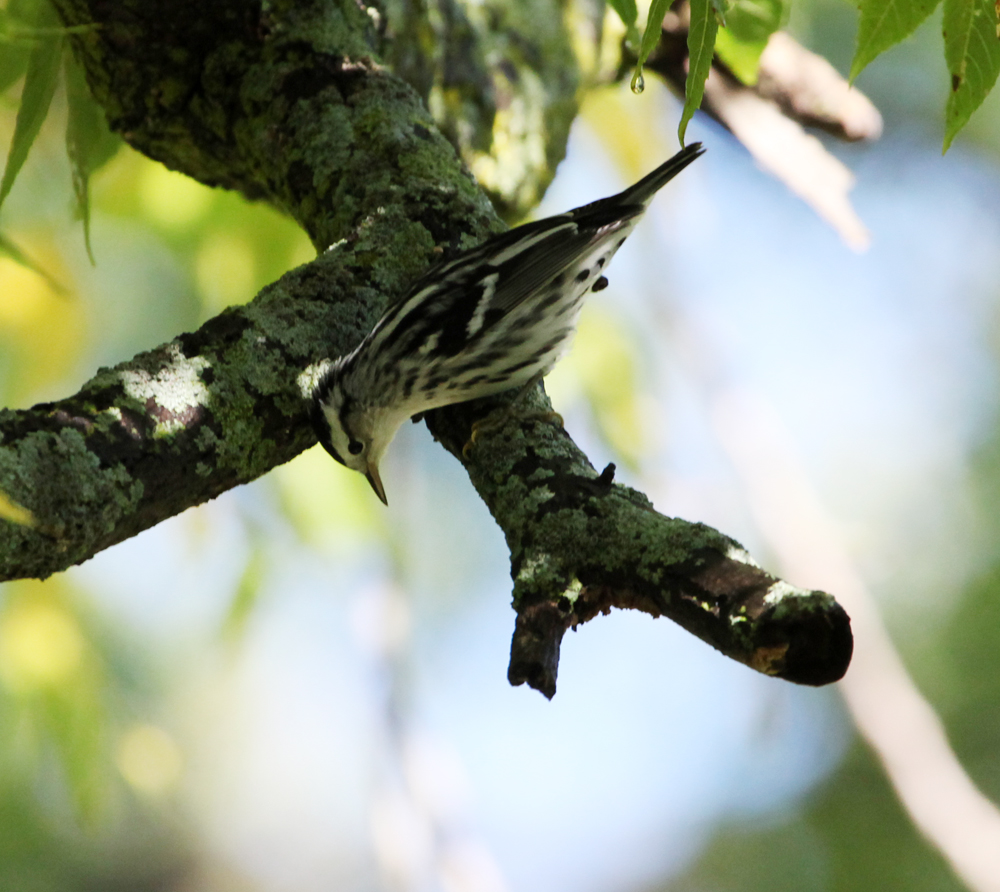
(354, 434)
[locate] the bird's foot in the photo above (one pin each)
(499, 417)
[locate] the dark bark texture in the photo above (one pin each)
(295, 103)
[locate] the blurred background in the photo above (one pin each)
(294, 688)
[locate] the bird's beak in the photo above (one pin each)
(376, 482)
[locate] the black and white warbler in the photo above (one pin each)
(491, 319)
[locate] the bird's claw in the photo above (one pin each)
(499, 417)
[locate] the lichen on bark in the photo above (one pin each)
(291, 102)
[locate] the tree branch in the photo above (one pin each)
(581, 544)
(290, 103)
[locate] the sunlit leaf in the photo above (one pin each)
(749, 26)
(701, 48)
(626, 10)
(754, 21)
(39, 85)
(89, 142)
(884, 23)
(742, 59)
(11, 250)
(972, 51)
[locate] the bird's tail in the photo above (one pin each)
(649, 185)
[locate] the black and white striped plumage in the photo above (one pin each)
(488, 320)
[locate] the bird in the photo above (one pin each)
(489, 319)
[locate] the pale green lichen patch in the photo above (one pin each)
(176, 389)
(308, 379)
(787, 600)
(206, 439)
(573, 590)
(513, 495)
(741, 556)
(540, 574)
(540, 474)
(80, 506)
(781, 590)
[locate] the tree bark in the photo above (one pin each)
(290, 102)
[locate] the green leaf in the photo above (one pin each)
(884, 23)
(13, 63)
(13, 54)
(722, 8)
(742, 59)
(972, 51)
(754, 21)
(701, 48)
(11, 250)
(654, 28)
(89, 142)
(626, 10)
(39, 85)
(650, 37)
(749, 26)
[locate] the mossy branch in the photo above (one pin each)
(290, 103)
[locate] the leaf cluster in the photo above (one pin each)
(737, 31)
(33, 47)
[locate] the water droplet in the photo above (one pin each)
(638, 83)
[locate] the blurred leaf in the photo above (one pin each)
(972, 51)
(10, 510)
(884, 23)
(754, 21)
(150, 760)
(722, 8)
(54, 673)
(25, 22)
(969, 688)
(13, 63)
(851, 835)
(76, 722)
(605, 365)
(626, 10)
(246, 595)
(701, 48)
(749, 26)
(14, 53)
(327, 505)
(39, 85)
(12, 251)
(741, 58)
(89, 142)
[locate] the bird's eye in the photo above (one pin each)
(354, 447)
